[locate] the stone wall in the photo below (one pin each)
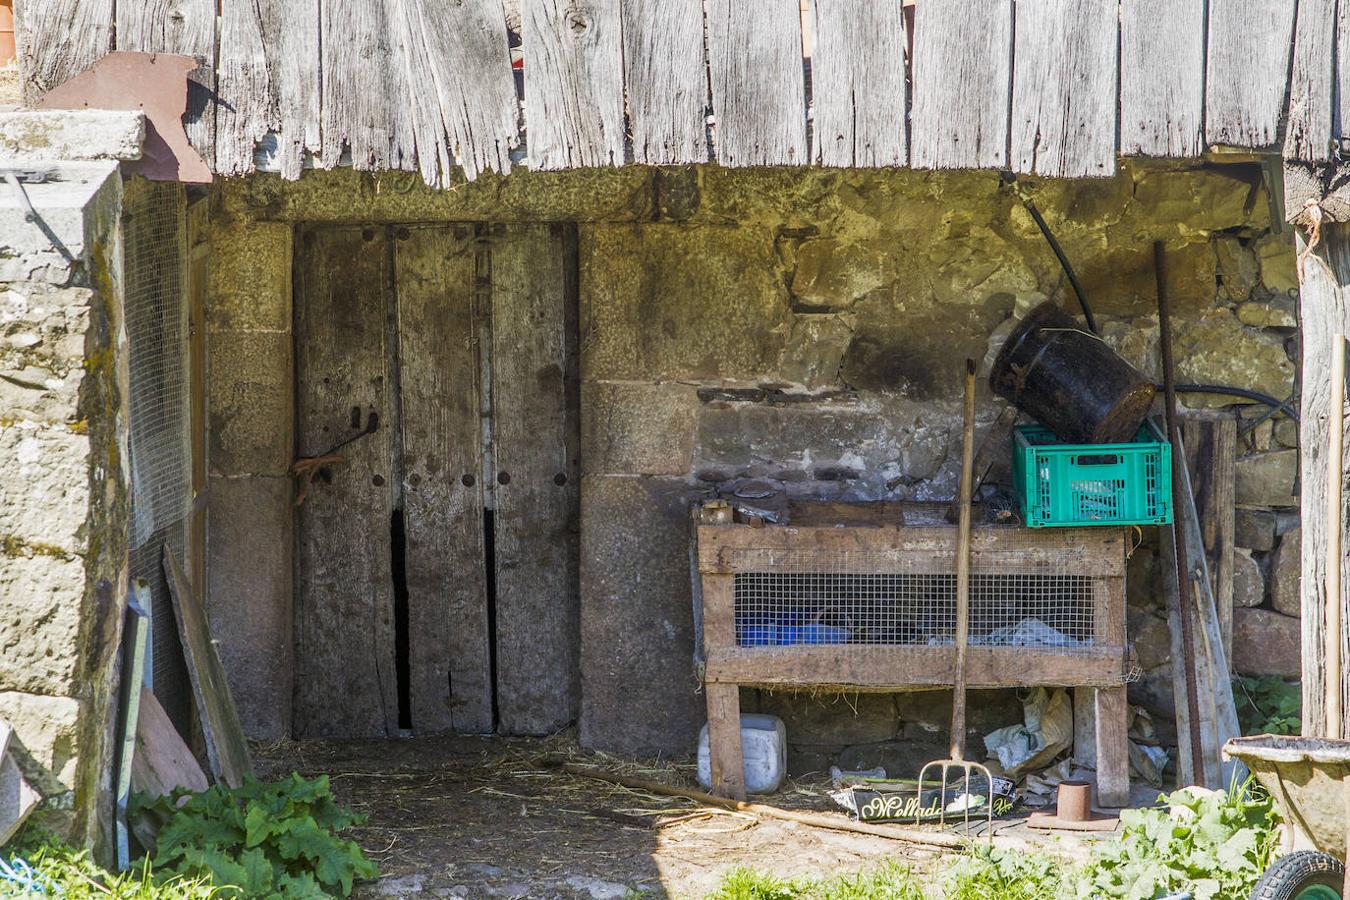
(63, 487)
(804, 330)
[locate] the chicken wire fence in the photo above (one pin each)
(841, 597)
(154, 233)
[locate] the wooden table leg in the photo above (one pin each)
(724, 739)
(1113, 749)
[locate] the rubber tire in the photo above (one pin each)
(1292, 874)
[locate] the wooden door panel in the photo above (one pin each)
(346, 683)
(450, 681)
(535, 446)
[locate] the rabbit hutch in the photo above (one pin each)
(862, 597)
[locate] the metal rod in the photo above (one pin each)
(1335, 724)
(1184, 598)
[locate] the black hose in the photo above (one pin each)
(1225, 390)
(1011, 180)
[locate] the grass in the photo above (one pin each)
(891, 881)
(71, 874)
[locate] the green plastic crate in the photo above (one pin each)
(1092, 484)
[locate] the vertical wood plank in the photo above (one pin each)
(1247, 70)
(725, 752)
(1113, 748)
(667, 83)
(364, 99)
(450, 683)
(345, 684)
(59, 39)
(1085, 727)
(719, 611)
(534, 362)
(268, 82)
(1211, 450)
(758, 82)
(186, 27)
(962, 77)
(858, 83)
(1341, 124)
(1162, 106)
(1311, 92)
(1064, 88)
(573, 83)
(462, 98)
(1324, 311)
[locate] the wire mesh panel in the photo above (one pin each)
(156, 315)
(814, 597)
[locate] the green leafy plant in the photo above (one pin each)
(264, 839)
(1268, 704)
(65, 872)
(1214, 844)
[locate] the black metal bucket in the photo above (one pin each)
(1070, 381)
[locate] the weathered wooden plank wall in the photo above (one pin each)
(1162, 106)
(186, 27)
(758, 82)
(666, 81)
(1064, 88)
(1030, 86)
(1247, 70)
(858, 83)
(962, 72)
(573, 83)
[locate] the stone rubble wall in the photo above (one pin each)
(805, 330)
(63, 489)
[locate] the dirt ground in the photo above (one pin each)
(494, 817)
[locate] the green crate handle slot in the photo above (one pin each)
(1061, 485)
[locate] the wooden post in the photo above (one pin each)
(724, 739)
(1324, 311)
(1113, 747)
(1335, 481)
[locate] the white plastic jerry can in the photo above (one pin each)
(764, 746)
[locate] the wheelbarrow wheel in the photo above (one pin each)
(1305, 875)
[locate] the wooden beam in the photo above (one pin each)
(758, 83)
(1064, 88)
(59, 39)
(1162, 106)
(962, 72)
(1324, 310)
(858, 83)
(573, 83)
(1247, 70)
(666, 80)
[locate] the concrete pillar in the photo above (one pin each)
(250, 520)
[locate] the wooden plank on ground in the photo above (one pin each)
(450, 675)
(59, 39)
(1064, 88)
(186, 27)
(1312, 97)
(535, 429)
(462, 93)
(1324, 311)
(666, 80)
(364, 99)
(758, 82)
(573, 83)
(858, 83)
(1247, 70)
(162, 761)
(345, 680)
(1162, 106)
(962, 75)
(226, 749)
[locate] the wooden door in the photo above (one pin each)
(462, 340)
(346, 682)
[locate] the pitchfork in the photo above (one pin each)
(957, 759)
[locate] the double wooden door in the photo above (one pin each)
(437, 558)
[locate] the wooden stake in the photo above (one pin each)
(815, 820)
(1335, 439)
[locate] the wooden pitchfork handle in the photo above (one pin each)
(958, 744)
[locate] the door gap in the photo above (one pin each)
(490, 579)
(398, 547)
